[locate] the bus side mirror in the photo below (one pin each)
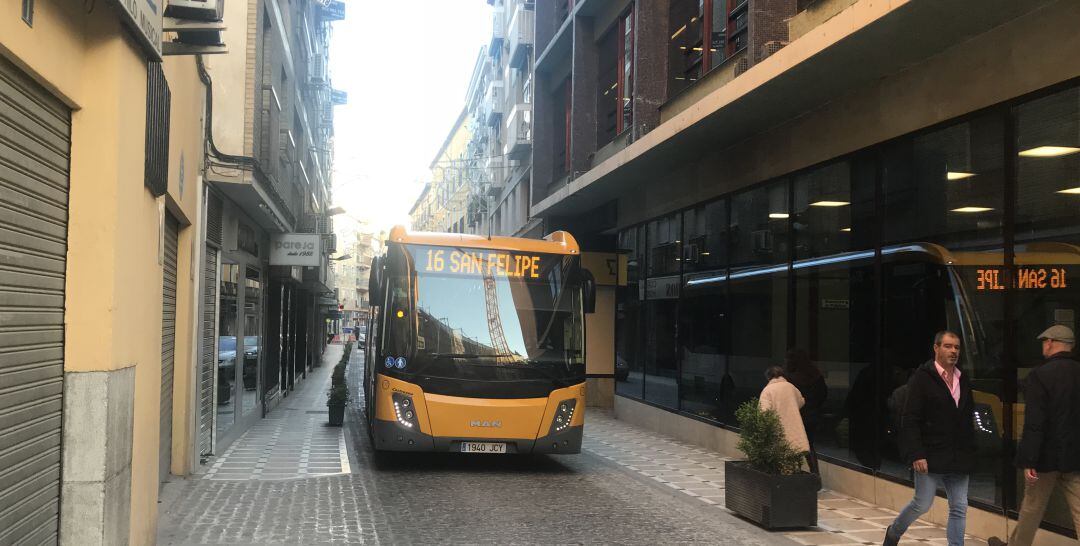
(375, 282)
(588, 292)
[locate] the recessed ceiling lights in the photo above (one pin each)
(972, 209)
(846, 230)
(952, 175)
(830, 204)
(1071, 191)
(778, 215)
(1049, 151)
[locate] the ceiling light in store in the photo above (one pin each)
(1049, 151)
(972, 209)
(830, 204)
(954, 175)
(846, 230)
(678, 32)
(704, 253)
(778, 215)
(1071, 191)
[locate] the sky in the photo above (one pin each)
(406, 67)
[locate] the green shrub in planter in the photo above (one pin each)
(769, 487)
(336, 400)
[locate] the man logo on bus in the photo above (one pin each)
(389, 362)
(400, 363)
(488, 424)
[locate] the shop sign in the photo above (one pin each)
(143, 17)
(302, 249)
(662, 288)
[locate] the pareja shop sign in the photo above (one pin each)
(296, 249)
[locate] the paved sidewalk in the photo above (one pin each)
(699, 473)
(293, 441)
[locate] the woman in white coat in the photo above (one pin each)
(784, 398)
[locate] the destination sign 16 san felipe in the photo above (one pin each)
(478, 262)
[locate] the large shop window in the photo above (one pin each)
(228, 330)
(957, 227)
(661, 304)
(253, 339)
(1047, 237)
(705, 378)
(943, 194)
(758, 286)
(629, 367)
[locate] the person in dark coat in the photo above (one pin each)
(938, 438)
(1049, 451)
(805, 375)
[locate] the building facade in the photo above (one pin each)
(793, 183)
(139, 324)
(451, 200)
(100, 180)
(269, 165)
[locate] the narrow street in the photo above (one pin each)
(426, 498)
(288, 482)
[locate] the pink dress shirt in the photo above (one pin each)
(954, 384)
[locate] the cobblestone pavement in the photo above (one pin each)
(449, 498)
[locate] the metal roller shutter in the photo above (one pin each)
(168, 343)
(35, 144)
(208, 358)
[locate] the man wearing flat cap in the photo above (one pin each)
(1049, 452)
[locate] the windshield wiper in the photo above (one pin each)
(473, 356)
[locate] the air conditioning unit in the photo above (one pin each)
(196, 10)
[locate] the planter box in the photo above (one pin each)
(337, 414)
(770, 500)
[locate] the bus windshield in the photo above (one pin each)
(477, 321)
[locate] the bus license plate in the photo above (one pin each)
(482, 447)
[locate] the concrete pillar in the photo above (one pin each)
(585, 70)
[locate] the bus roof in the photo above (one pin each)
(559, 242)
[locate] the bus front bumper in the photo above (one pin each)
(390, 436)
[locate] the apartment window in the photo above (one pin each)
(704, 33)
(615, 92)
(158, 108)
(28, 12)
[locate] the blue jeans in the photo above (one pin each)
(956, 489)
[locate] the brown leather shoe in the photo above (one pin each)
(995, 541)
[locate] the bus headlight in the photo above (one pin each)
(564, 414)
(405, 410)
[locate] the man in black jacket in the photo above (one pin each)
(938, 438)
(1049, 452)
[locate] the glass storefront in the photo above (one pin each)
(228, 332)
(844, 271)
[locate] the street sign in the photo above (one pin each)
(334, 11)
(143, 17)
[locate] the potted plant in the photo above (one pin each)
(336, 400)
(769, 487)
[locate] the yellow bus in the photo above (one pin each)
(477, 344)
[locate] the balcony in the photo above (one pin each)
(496, 170)
(519, 132)
(498, 29)
(493, 106)
(521, 36)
